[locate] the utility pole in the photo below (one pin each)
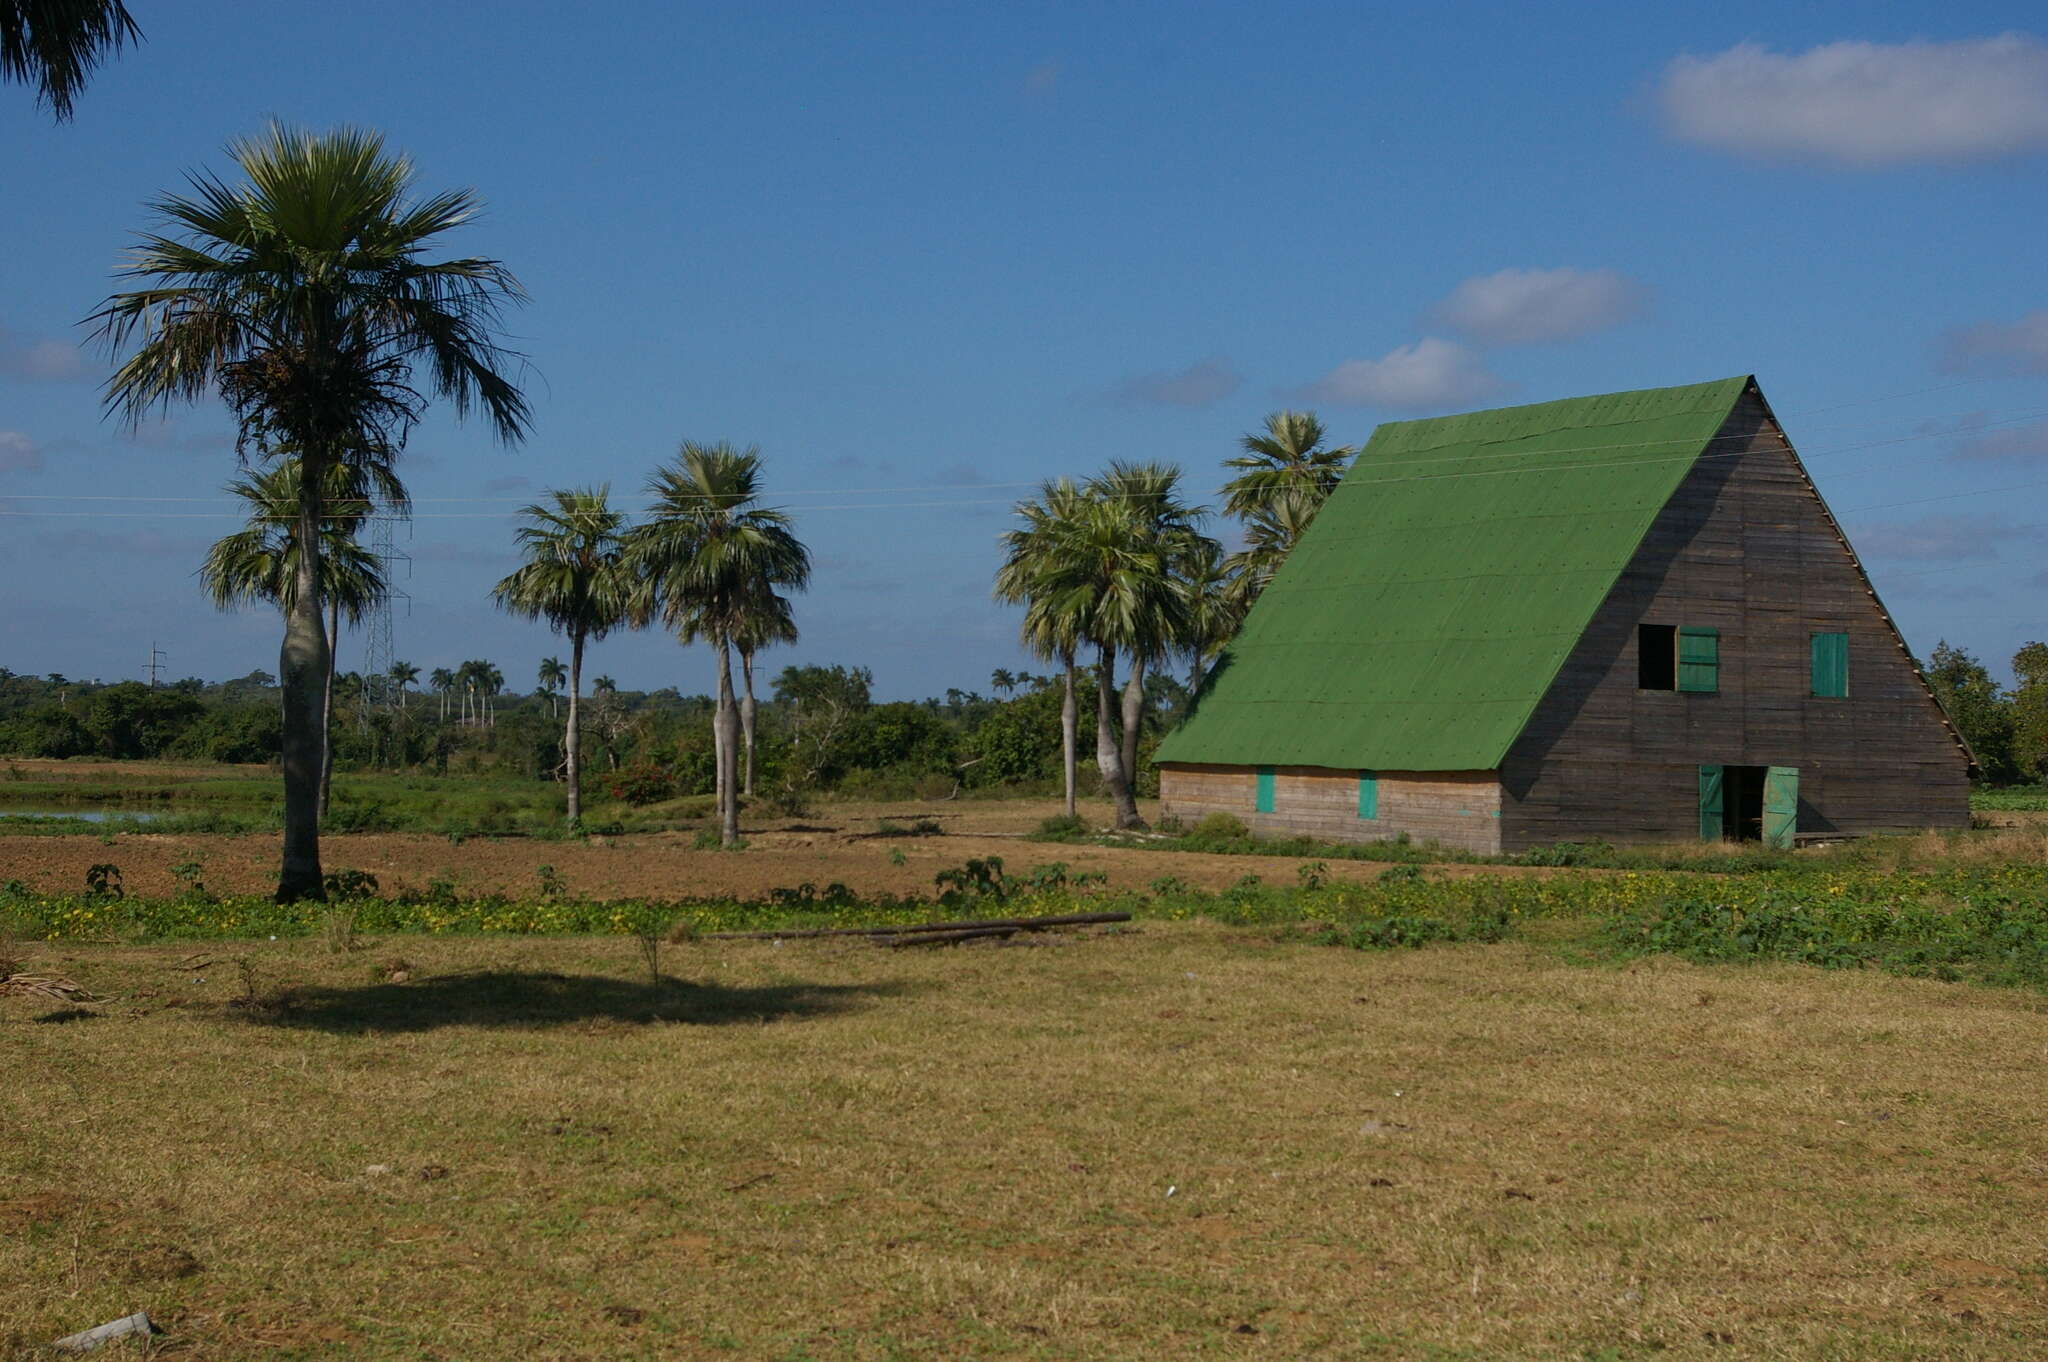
(157, 658)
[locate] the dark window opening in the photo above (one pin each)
(1742, 803)
(1657, 657)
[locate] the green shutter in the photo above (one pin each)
(1368, 795)
(1831, 666)
(1781, 806)
(1264, 802)
(1699, 660)
(1710, 803)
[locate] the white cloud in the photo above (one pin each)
(1198, 385)
(1522, 307)
(1865, 104)
(45, 361)
(1429, 373)
(1995, 347)
(2028, 441)
(18, 453)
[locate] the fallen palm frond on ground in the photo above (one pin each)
(44, 986)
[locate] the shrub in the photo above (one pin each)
(642, 782)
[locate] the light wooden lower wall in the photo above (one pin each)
(1457, 808)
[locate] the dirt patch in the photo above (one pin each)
(835, 846)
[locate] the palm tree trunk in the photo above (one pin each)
(1108, 759)
(1069, 729)
(727, 727)
(301, 668)
(572, 741)
(1134, 718)
(747, 715)
(327, 711)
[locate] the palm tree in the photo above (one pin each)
(403, 674)
(443, 681)
(1052, 622)
(260, 562)
(1209, 587)
(1147, 498)
(572, 577)
(1285, 476)
(604, 685)
(302, 298)
(550, 677)
(55, 44)
(490, 683)
(703, 561)
(765, 619)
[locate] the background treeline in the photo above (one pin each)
(820, 731)
(2007, 728)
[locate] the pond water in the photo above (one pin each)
(82, 815)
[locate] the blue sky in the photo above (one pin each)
(923, 256)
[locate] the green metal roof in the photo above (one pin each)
(1434, 598)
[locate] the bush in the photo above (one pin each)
(642, 782)
(1220, 827)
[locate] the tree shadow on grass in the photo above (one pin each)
(534, 999)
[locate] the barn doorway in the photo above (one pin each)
(1742, 803)
(1750, 804)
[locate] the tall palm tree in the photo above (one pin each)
(260, 562)
(303, 299)
(1052, 621)
(1146, 496)
(1285, 475)
(490, 684)
(765, 619)
(55, 44)
(443, 681)
(707, 552)
(1209, 586)
(551, 675)
(403, 674)
(573, 577)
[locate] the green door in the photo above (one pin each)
(1781, 806)
(1711, 797)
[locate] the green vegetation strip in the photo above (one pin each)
(1986, 924)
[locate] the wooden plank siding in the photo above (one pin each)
(1456, 808)
(1745, 546)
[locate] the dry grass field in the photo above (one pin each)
(1174, 1141)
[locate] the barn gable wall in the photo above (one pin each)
(1747, 548)
(1456, 808)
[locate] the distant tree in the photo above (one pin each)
(302, 297)
(820, 706)
(1977, 707)
(443, 682)
(261, 561)
(1029, 576)
(1284, 476)
(705, 555)
(574, 577)
(550, 677)
(1002, 681)
(55, 44)
(2030, 710)
(764, 620)
(403, 674)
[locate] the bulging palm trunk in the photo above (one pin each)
(1070, 718)
(747, 715)
(1108, 756)
(302, 671)
(572, 738)
(727, 727)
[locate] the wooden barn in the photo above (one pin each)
(1629, 617)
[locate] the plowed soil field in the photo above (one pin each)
(844, 843)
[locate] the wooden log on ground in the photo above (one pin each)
(1018, 924)
(91, 1339)
(944, 938)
